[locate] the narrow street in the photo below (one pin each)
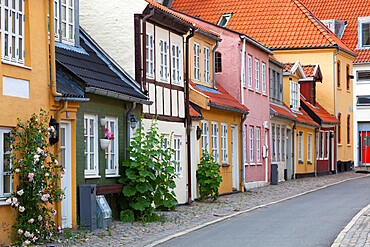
(314, 219)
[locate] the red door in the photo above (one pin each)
(366, 147)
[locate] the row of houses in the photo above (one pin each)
(255, 87)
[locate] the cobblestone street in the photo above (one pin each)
(185, 217)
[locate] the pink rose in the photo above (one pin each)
(21, 209)
(27, 234)
(45, 197)
(14, 200)
(46, 174)
(31, 220)
(63, 171)
(20, 192)
(17, 170)
(39, 150)
(59, 229)
(30, 176)
(54, 212)
(20, 231)
(39, 218)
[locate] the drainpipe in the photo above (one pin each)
(214, 64)
(316, 130)
(243, 154)
(128, 128)
(143, 83)
(335, 108)
(242, 75)
(53, 80)
(293, 148)
(187, 112)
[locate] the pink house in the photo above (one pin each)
(242, 68)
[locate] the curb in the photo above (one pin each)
(163, 240)
(348, 227)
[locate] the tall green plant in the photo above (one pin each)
(149, 176)
(208, 176)
(38, 172)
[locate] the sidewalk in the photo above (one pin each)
(186, 217)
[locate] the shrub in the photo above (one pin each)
(208, 176)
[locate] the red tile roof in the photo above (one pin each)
(344, 10)
(275, 23)
(309, 70)
(305, 118)
(174, 13)
(288, 67)
(282, 110)
(320, 111)
(193, 113)
(220, 96)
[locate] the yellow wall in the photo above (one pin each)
(305, 167)
(286, 86)
(325, 90)
(230, 118)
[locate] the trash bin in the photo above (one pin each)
(274, 174)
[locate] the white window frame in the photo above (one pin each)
(361, 22)
(258, 144)
(294, 95)
(3, 195)
(206, 65)
(112, 171)
(250, 81)
(215, 141)
(309, 147)
(12, 39)
(224, 143)
(278, 141)
(150, 55)
(163, 60)
(251, 144)
(177, 154)
(326, 141)
(91, 173)
(69, 21)
(196, 61)
(283, 148)
(205, 134)
(273, 142)
(257, 74)
(264, 78)
(176, 64)
(300, 145)
(225, 17)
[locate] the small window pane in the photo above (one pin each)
(366, 34)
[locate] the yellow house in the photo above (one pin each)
(214, 112)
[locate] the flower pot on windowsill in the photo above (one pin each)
(104, 143)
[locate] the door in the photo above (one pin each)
(289, 154)
(66, 181)
(235, 158)
(267, 156)
(365, 148)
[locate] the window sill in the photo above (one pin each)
(3, 203)
(348, 91)
(338, 88)
(300, 162)
(250, 89)
(92, 176)
(15, 64)
(112, 176)
(340, 144)
(258, 92)
(309, 162)
(349, 145)
(264, 94)
(225, 165)
(259, 164)
(252, 164)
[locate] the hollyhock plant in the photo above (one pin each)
(38, 173)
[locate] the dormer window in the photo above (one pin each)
(225, 18)
(294, 95)
(64, 16)
(363, 32)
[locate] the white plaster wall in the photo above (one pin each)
(159, 100)
(174, 103)
(181, 104)
(362, 113)
(177, 129)
(152, 98)
(167, 103)
(111, 24)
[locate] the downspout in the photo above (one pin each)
(316, 131)
(128, 128)
(187, 112)
(335, 108)
(242, 74)
(143, 82)
(214, 64)
(53, 80)
(243, 153)
(293, 148)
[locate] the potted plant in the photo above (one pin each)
(104, 143)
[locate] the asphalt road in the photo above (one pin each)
(314, 219)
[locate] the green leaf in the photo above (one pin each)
(129, 190)
(127, 215)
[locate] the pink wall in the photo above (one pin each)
(231, 47)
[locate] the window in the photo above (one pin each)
(278, 142)
(263, 77)
(196, 61)
(225, 18)
(258, 144)
(338, 73)
(177, 154)
(176, 75)
(294, 95)
(365, 34)
(326, 145)
(163, 51)
(363, 100)
(12, 30)
(309, 147)
(5, 176)
(363, 75)
(218, 62)
(251, 158)
(321, 144)
(339, 129)
(149, 55)
(273, 142)
(257, 74)
(300, 146)
(205, 134)
(206, 64)
(111, 153)
(274, 85)
(348, 129)
(91, 145)
(165, 143)
(215, 151)
(250, 72)
(64, 15)
(283, 144)
(347, 77)
(224, 144)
